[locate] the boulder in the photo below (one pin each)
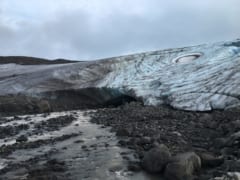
(144, 140)
(21, 138)
(156, 159)
(123, 132)
(229, 176)
(209, 160)
(183, 166)
(233, 175)
(43, 106)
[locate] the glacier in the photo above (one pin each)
(196, 78)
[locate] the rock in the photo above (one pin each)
(236, 125)
(208, 160)
(44, 106)
(183, 166)
(228, 151)
(116, 167)
(212, 125)
(177, 133)
(155, 160)
(6, 131)
(55, 165)
(220, 142)
(229, 176)
(206, 118)
(144, 140)
(232, 140)
(236, 136)
(84, 147)
(16, 118)
(233, 109)
(123, 132)
(21, 138)
(122, 142)
(231, 165)
(79, 141)
(134, 167)
(233, 175)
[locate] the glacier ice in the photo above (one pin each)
(197, 78)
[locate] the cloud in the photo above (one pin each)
(96, 29)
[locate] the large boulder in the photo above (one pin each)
(183, 166)
(155, 160)
(43, 106)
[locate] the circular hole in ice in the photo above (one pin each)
(187, 58)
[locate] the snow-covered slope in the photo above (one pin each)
(199, 78)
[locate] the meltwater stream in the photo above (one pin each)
(85, 150)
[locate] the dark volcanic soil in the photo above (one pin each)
(65, 145)
(215, 133)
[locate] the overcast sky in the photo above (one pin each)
(93, 29)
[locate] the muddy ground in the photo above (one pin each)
(62, 146)
(111, 144)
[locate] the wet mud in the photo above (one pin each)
(65, 146)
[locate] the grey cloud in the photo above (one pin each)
(83, 34)
(7, 37)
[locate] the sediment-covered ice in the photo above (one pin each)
(201, 78)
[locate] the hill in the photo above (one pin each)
(24, 60)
